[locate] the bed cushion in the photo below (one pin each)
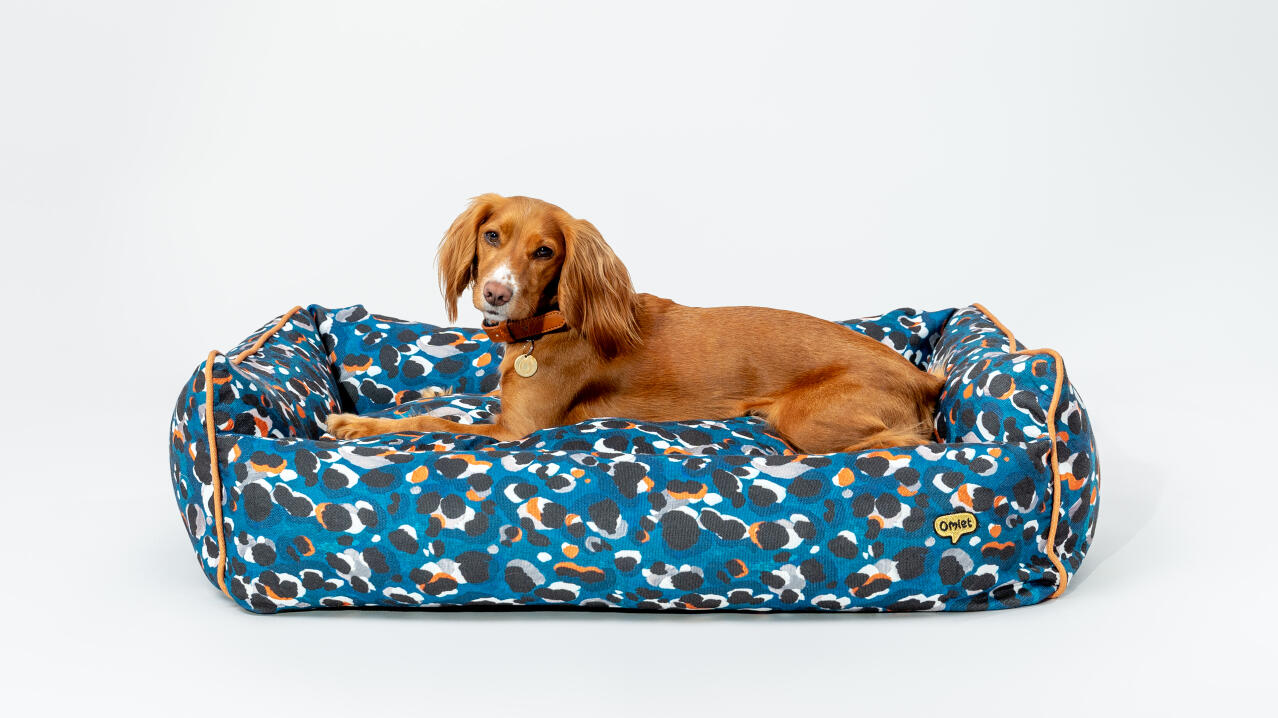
(616, 513)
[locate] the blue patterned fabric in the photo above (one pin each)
(616, 513)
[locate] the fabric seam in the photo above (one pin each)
(211, 433)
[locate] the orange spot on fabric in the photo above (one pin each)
(844, 477)
(484, 359)
(995, 530)
(569, 550)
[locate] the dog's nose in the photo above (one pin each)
(496, 293)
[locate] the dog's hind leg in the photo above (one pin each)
(840, 414)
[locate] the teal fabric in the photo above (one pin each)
(616, 513)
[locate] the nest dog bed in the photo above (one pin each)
(614, 513)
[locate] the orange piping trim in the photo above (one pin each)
(261, 341)
(1056, 468)
(217, 477)
(997, 323)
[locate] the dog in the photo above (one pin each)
(583, 344)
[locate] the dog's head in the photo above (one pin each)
(522, 257)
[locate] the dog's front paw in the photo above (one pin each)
(352, 426)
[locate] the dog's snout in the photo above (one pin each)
(496, 293)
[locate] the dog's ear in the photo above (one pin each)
(457, 252)
(595, 293)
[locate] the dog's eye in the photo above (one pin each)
(491, 237)
(544, 253)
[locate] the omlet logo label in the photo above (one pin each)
(954, 526)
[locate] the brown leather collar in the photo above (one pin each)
(518, 330)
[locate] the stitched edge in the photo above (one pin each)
(211, 433)
(262, 340)
(1056, 469)
(1051, 430)
(990, 316)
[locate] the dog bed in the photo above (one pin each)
(616, 513)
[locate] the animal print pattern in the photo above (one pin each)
(615, 513)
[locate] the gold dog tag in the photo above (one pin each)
(525, 365)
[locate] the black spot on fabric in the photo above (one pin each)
(554, 594)
(888, 505)
(912, 604)
(1023, 493)
(999, 385)
(812, 570)
(874, 586)
(368, 517)
(378, 479)
(294, 504)
(335, 517)
(312, 580)
(440, 584)
(375, 559)
(982, 498)
(604, 514)
(909, 562)
(334, 479)
(452, 506)
(981, 464)
(1029, 402)
(872, 530)
(989, 421)
(449, 366)
(978, 582)
(805, 488)
(1000, 553)
(843, 546)
(256, 501)
(695, 437)
(480, 482)
(627, 476)
(862, 505)
(617, 443)
(678, 486)
(761, 495)
(679, 530)
(686, 581)
(805, 529)
(428, 502)
(772, 580)
(474, 566)
(263, 554)
(477, 525)
(729, 530)
(1082, 465)
(906, 475)
(771, 536)
(377, 394)
(914, 521)
(625, 564)
(552, 515)
(952, 479)
(345, 540)
(873, 465)
(403, 541)
(524, 491)
(450, 467)
(781, 556)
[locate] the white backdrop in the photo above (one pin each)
(1100, 174)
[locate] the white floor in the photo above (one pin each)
(1102, 176)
